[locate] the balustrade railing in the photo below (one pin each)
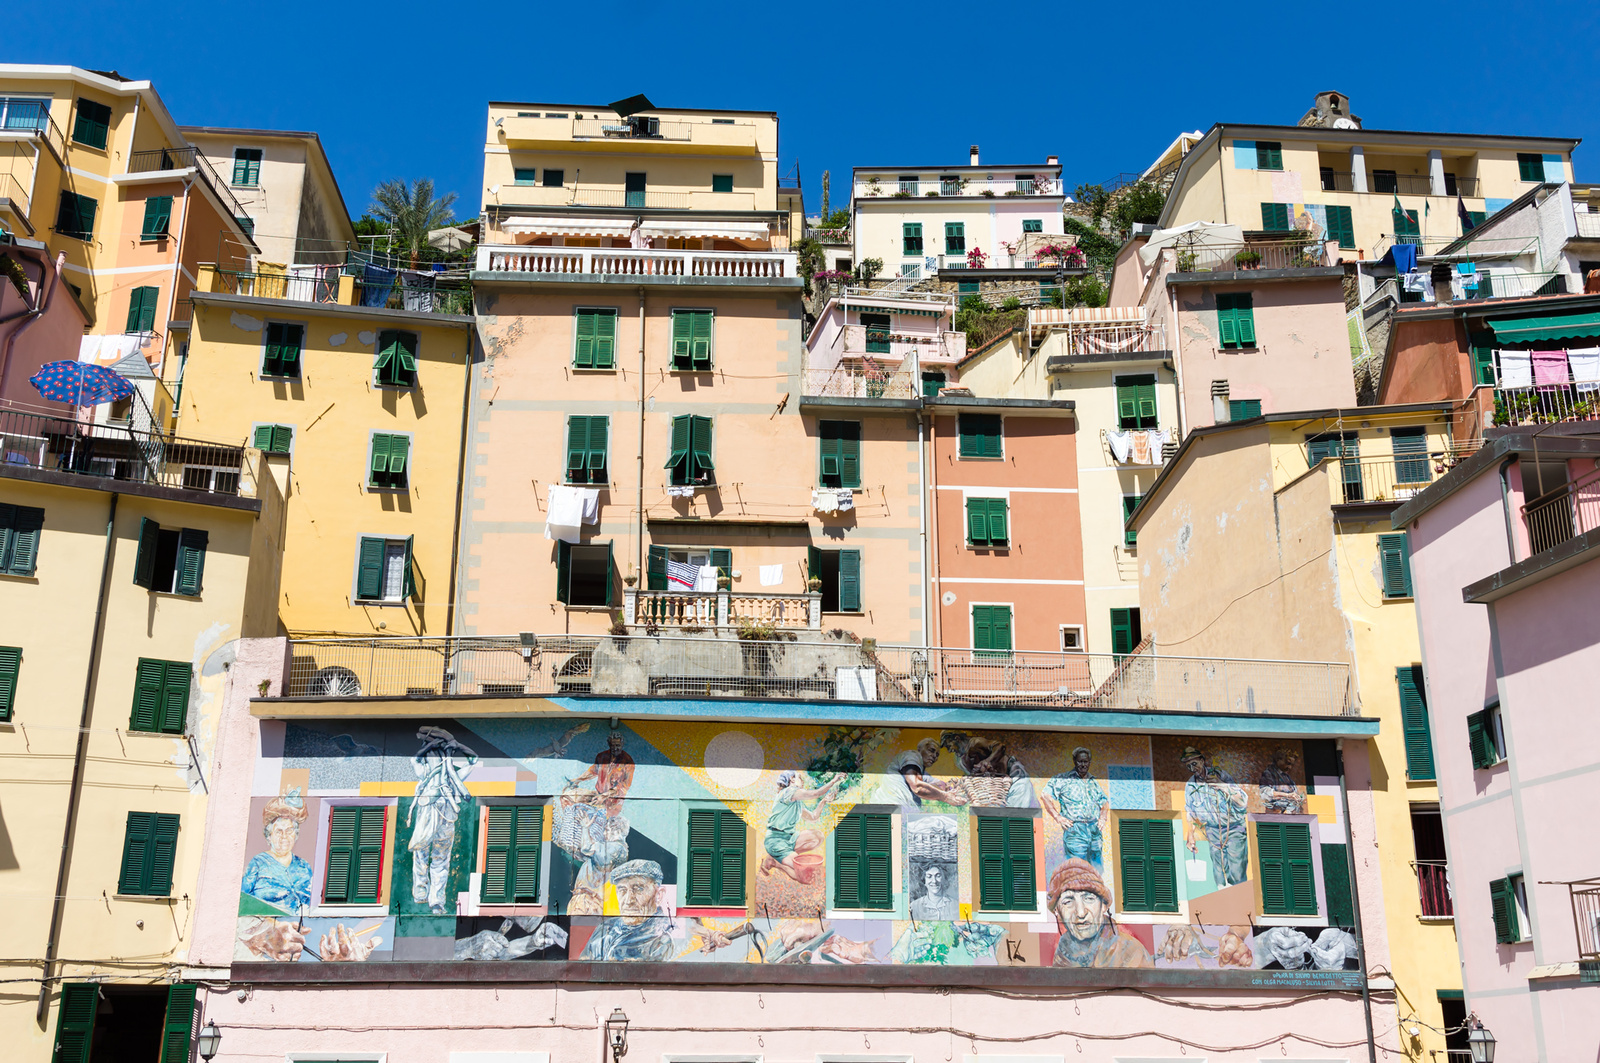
(629, 262)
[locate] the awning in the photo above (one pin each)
(568, 226)
(1548, 328)
(726, 230)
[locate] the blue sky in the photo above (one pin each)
(400, 89)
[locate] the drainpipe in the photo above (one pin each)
(1355, 902)
(461, 479)
(78, 762)
(639, 570)
(32, 315)
(933, 589)
(922, 529)
(1505, 506)
(177, 264)
(1177, 358)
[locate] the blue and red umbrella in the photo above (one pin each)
(80, 383)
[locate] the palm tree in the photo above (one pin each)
(410, 210)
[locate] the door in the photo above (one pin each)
(633, 184)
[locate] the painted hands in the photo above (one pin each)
(273, 939)
(339, 944)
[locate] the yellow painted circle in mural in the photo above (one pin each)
(734, 760)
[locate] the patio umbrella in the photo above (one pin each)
(80, 383)
(1203, 235)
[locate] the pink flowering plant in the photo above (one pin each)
(976, 258)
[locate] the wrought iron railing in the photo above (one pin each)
(1255, 254)
(1586, 917)
(11, 189)
(1433, 887)
(1388, 479)
(1572, 511)
(122, 452)
(1546, 404)
(1405, 184)
(183, 159)
(33, 116)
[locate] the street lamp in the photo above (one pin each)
(617, 1034)
(1480, 1041)
(209, 1041)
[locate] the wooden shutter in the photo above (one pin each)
(850, 456)
(1414, 722)
(175, 679)
(578, 449)
(599, 443)
(605, 339)
(583, 347)
(730, 859)
(849, 581)
(141, 309)
(92, 124)
(409, 569)
(656, 569)
(847, 877)
(10, 666)
(163, 855)
(1270, 869)
(343, 825)
(1299, 875)
(499, 843)
(680, 446)
(992, 864)
(1530, 167)
(21, 534)
(877, 840)
(1341, 226)
(1227, 321)
(982, 627)
(700, 445)
(282, 438)
(262, 439)
(137, 838)
(700, 339)
(86, 208)
(1145, 397)
(191, 560)
(978, 521)
(355, 854)
(1000, 627)
(1244, 319)
(291, 339)
(1243, 409)
(980, 435)
(1480, 739)
(1503, 906)
(1269, 155)
(813, 565)
(682, 334)
(911, 237)
(177, 1035)
(1411, 464)
(702, 856)
(1121, 631)
(1483, 365)
(157, 214)
(399, 453)
(1394, 552)
(1130, 537)
(1134, 857)
(75, 1022)
(722, 561)
(526, 853)
(1163, 866)
(1127, 403)
(1021, 890)
(563, 572)
(369, 568)
(149, 679)
(955, 237)
(999, 533)
(378, 473)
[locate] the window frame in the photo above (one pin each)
(588, 451)
(1511, 892)
(843, 478)
(1269, 155)
(552, 178)
(864, 852)
(252, 167)
(1237, 303)
(321, 880)
(167, 715)
(1128, 386)
(564, 551)
(15, 523)
(256, 428)
(989, 504)
(157, 860)
(409, 582)
(978, 448)
(157, 219)
(389, 473)
(911, 238)
(1120, 867)
(692, 315)
(715, 895)
(191, 542)
(1537, 160)
(1077, 631)
(263, 371)
(955, 238)
(381, 367)
(512, 897)
(1486, 737)
(685, 466)
(530, 181)
(596, 313)
(992, 652)
(1009, 900)
(82, 122)
(80, 232)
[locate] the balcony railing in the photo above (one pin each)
(11, 189)
(1255, 254)
(1554, 519)
(1545, 404)
(1000, 186)
(1586, 917)
(396, 290)
(1433, 887)
(1388, 479)
(184, 159)
(1588, 225)
(33, 117)
(929, 346)
(121, 452)
(1083, 340)
(864, 377)
(1405, 184)
(724, 610)
(578, 263)
(821, 669)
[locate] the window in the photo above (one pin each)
(355, 854)
(1394, 558)
(1347, 448)
(695, 557)
(1486, 737)
(247, 166)
(1149, 869)
(955, 237)
(1414, 722)
(839, 453)
(840, 572)
(384, 569)
(586, 449)
(142, 309)
(246, 225)
(583, 573)
(1483, 366)
(633, 190)
(1005, 864)
(1243, 409)
(594, 343)
(273, 438)
(1130, 537)
(513, 836)
(1508, 901)
(991, 630)
(157, 216)
(1275, 217)
(690, 460)
(1475, 219)
(861, 865)
(94, 124)
(1411, 464)
(1125, 631)
(979, 435)
(149, 846)
(876, 327)
(1530, 167)
(20, 527)
(160, 696)
(10, 666)
(1341, 226)
(1385, 181)
(139, 1023)
(1236, 319)
(75, 218)
(1405, 222)
(281, 354)
(386, 461)
(691, 339)
(911, 238)
(1136, 401)
(1269, 155)
(716, 858)
(986, 522)
(1283, 867)
(1329, 182)
(396, 364)
(908, 183)
(1033, 225)
(932, 384)
(554, 178)
(722, 182)
(170, 561)
(524, 175)
(1024, 182)
(911, 270)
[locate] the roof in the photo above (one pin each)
(946, 168)
(281, 134)
(109, 82)
(1549, 441)
(608, 109)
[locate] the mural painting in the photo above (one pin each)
(554, 838)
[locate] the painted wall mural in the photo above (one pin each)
(561, 838)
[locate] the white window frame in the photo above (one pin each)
(1077, 629)
(319, 870)
(1519, 896)
(355, 570)
(475, 876)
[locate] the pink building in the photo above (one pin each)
(40, 321)
(1503, 555)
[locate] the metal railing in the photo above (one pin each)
(122, 452)
(183, 159)
(1585, 895)
(426, 294)
(864, 377)
(1433, 887)
(942, 346)
(33, 116)
(1405, 184)
(1546, 404)
(1083, 339)
(1496, 285)
(577, 262)
(1588, 224)
(1388, 479)
(1569, 513)
(11, 189)
(1255, 254)
(829, 668)
(617, 197)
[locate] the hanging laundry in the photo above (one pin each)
(1550, 368)
(591, 504)
(1404, 257)
(683, 574)
(771, 575)
(416, 291)
(1157, 438)
(563, 513)
(705, 581)
(825, 500)
(1121, 443)
(376, 284)
(1585, 364)
(1516, 369)
(1468, 271)
(847, 500)
(1140, 448)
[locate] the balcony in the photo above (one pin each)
(1001, 185)
(14, 199)
(639, 265)
(861, 377)
(598, 196)
(31, 119)
(1387, 479)
(820, 669)
(165, 159)
(1433, 889)
(934, 347)
(121, 452)
(1588, 225)
(676, 611)
(1253, 255)
(1570, 512)
(639, 133)
(389, 289)
(1405, 184)
(1545, 404)
(1097, 340)
(1585, 894)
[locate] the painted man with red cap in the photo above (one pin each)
(1089, 937)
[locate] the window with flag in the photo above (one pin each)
(839, 444)
(10, 667)
(980, 435)
(396, 362)
(1006, 880)
(20, 529)
(1414, 724)
(272, 438)
(1284, 868)
(1130, 537)
(157, 217)
(1486, 737)
(92, 125)
(991, 630)
(247, 167)
(1243, 409)
(862, 866)
(149, 849)
(987, 522)
(75, 217)
(1275, 217)
(1033, 225)
(690, 457)
(1483, 366)
(585, 573)
(911, 238)
(388, 456)
(1236, 319)
(1341, 226)
(281, 346)
(955, 237)
(170, 560)
(513, 845)
(1269, 155)
(1411, 462)
(1405, 221)
(587, 440)
(385, 569)
(1147, 865)
(1508, 902)
(354, 868)
(1394, 560)
(691, 339)
(594, 344)
(716, 858)
(160, 696)
(1125, 631)
(1136, 401)
(142, 309)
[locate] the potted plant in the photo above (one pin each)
(1247, 259)
(1186, 261)
(988, 193)
(931, 193)
(814, 584)
(902, 194)
(873, 187)
(976, 258)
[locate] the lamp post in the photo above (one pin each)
(209, 1041)
(617, 1034)
(1479, 1040)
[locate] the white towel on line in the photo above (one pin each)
(771, 575)
(591, 504)
(563, 513)
(1121, 444)
(705, 581)
(1516, 369)
(1585, 364)
(825, 500)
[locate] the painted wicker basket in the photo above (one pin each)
(931, 839)
(987, 789)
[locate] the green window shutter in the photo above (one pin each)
(1021, 890)
(578, 448)
(656, 569)
(982, 627)
(700, 445)
(1300, 878)
(163, 855)
(1394, 554)
(731, 859)
(813, 563)
(524, 176)
(992, 864)
(291, 340)
(282, 439)
(247, 166)
(980, 435)
(978, 521)
(378, 460)
(527, 852)
(399, 454)
(1000, 627)
(1127, 403)
(1033, 225)
(911, 237)
(1243, 409)
(1341, 226)
(409, 586)
(513, 838)
(262, 438)
(563, 572)
(1530, 167)
(700, 344)
(136, 850)
(396, 363)
(175, 680)
(1414, 722)
(605, 339)
(1270, 868)
(1275, 217)
(678, 458)
(1244, 319)
(272, 350)
(92, 125)
(1145, 400)
(1129, 504)
(1162, 866)
(75, 1022)
(1483, 365)
(850, 457)
(850, 581)
(247, 224)
(1134, 856)
(20, 529)
(1480, 740)
(86, 213)
(1476, 217)
(177, 1036)
(369, 568)
(847, 877)
(142, 309)
(1227, 326)
(157, 215)
(701, 886)
(599, 436)
(191, 560)
(876, 846)
(722, 182)
(1411, 464)
(999, 533)
(149, 680)
(344, 824)
(682, 333)
(355, 854)
(1122, 640)
(1503, 906)
(722, 561)
(583, 346)
(955, 237)
(1336, 885)
(1269, 155)
(10, 666)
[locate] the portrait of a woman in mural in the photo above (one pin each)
(278, 876)
(933, 891)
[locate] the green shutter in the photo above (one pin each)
(1530, 167)
(847, 877)
(1000, 627)
(1275, 217)
(982, 628)
(92, 125)
(722, 561)
(991, 629)
(1243, 409)
(409, 569)
(10, 666)
(262, 439)
(378, 460)
(656, 569)
(978, 521)
(177, 1037)
(163, 856)
(1299, 880)
(1483, 365)
(911, 237)
(157, 214)
(849, 581)
(1394, 553)
(813, 564)
(731, 853)
(700, 446)
(839, 453)
(1021, 889)
(1127, 402)
(702, 856)
(343, 825)
(700, 342)
(1341, 226)
(1414, 722)
(1227, 327)
(399, 452)
(513, 838)
(20, 529)
(369, 568)
(722, 182)
(75, 1022)
(992, 864)
(136, 844)
(355, 854)
(142, 309)
(282, 439)
(605, 339)
(955, 238)
(599, 444)
(877, 861)
(678, 458)
(291, 339)
(1336, 885)
(1270, 868)
(1130, 537)
(191, 560)
(174, 712)
(578, 449)
(1134, 857)
(563, 572)
(682, 335)
(1503, 906)
(396, 363)
(1411, 464)
(716, 858)
(148, 683)
(368, 862)
(1122, 640)
(1480, 739)
(980, 435)
(527, 853)
(1244, 319)
(1163, 866)
(583, 345)
(1269, 155)
(999, 533)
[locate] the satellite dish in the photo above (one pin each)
(633, 105)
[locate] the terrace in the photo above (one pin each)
(597, 131)
(182, 160)
(352, 285)
(122, 452)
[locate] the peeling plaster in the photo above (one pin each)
(246, 322)
(1294, 632)
(1222, 523)
(337, 339)
(366, 337)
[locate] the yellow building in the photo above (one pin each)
(1270, 537)
(130, 568)
(366, 402)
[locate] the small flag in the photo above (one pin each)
(1461, 212)
(682, 572)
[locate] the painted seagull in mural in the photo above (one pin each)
(558, 747)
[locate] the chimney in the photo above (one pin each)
(1440, 274)
(972, 153)
(1052, 160)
